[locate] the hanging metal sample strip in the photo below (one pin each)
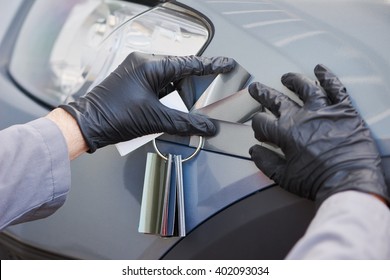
(163, 205)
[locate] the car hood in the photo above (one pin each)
(270, 38)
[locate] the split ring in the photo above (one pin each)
(200, 145)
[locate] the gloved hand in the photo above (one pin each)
(328, 147)
(126, 104)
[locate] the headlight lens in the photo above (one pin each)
(66, 47)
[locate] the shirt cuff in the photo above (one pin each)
(348, 225)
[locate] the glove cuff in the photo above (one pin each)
(369, 181)
(80, 118)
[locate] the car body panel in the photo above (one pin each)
(276, 37)
(268, 38)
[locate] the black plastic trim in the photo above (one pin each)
(13, 249)
(208, 23)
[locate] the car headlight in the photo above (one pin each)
(66, 47)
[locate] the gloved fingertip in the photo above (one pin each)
(211, 129)
(287, 78)
(228, 61)
(321, 68)
(251, 150)
(258, 153)
(225, 64)
(284, 76)
(204, 125)
(254, 89)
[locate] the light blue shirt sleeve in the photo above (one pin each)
(348, 225)
(34, 171)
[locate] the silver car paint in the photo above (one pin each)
(268, 38)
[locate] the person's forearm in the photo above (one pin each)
(348, 225)
(71, 131)
(34, 173)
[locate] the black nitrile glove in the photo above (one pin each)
(328, 147)
(126, 104)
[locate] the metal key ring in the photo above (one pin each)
(185, 159)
